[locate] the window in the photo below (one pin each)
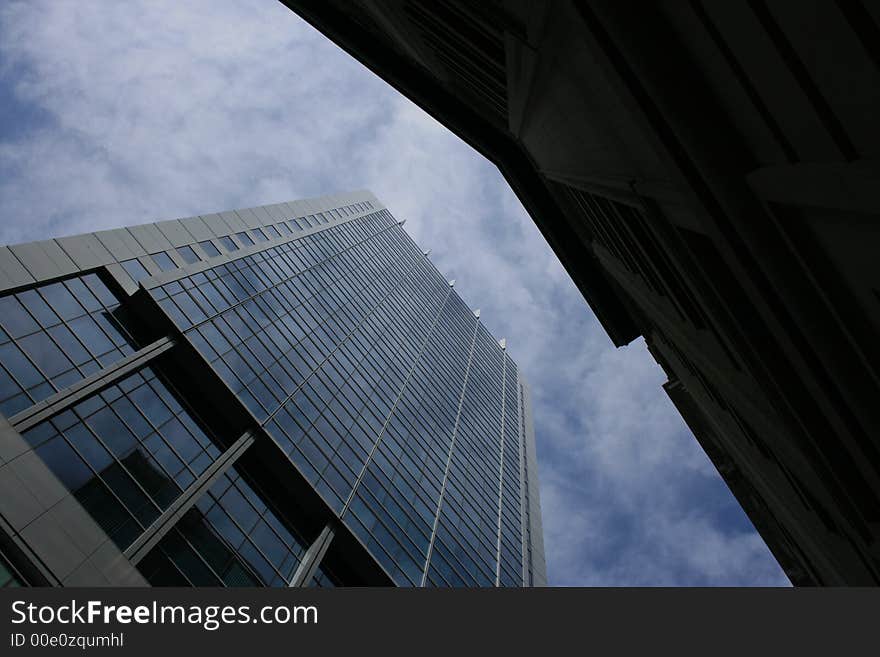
(69, 344)
(284, 228)
(344, 298)
(229, 244)
(163, 261)
(189, 256)
(260, 235)
(231, 537)
(135, 269)
(54, 335)
(15, 319)
(61, 301)
(46, 355)
(19, 366)
(87, 329)
(245, 239)
(272, 231)
(125, 453)
(38, 308)
(210, 250)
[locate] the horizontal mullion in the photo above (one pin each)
(91, 384)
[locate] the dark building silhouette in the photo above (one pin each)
(287, 395)
(707, 173)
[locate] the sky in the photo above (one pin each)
(120, 113)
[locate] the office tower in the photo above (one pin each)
(286, 395)
(707, 174)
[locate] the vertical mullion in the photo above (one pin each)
(501, 470)
(396, 403)
(394, 287)
(449, 457)
(187, 499)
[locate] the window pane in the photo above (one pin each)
(110, 429)
(89, 448)
(113, 518)
(183, 556)
(151, 405)
(65, 463)
(48, 357)
(224, 525)
(38, 308)
(163, 261)
(100, 290)
(13, 405)
(181, 440)
(136, 270)
(61, 301)
(69, 344)
(131, 495)
(133, 417)
(85, 296)
(229, 243)
(189, 256)
(14, 361)
(209, 248)
(15, 318)
(159, 571)
(112, 327)
(8, 387)
(92, 336)
(244, 238)
(240, 509)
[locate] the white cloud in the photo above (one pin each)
(160, 109)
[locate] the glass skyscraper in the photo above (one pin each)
(287, 395)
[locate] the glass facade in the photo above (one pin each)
(345, 348)
(382, 387)
(126, 453)
(51, 336)
(230, 538)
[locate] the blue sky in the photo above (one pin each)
(122, 113)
